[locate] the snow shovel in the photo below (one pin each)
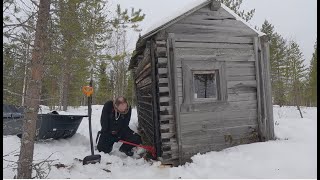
(150, 149)
(91, 159)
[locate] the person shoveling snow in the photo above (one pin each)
(115, 118)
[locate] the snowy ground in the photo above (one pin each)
(293, 155)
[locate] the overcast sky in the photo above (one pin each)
(293, 19)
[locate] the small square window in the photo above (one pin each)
(205, 85)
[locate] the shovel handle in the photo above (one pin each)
(87, 90)
(148, 148)
(126, 142)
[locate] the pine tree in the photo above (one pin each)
(120, 57)
(18, 35)
(130, 90)
(277, 63)
(296, 73)
(103, 93)
(235, 6)
(33, 93)
(312, 84)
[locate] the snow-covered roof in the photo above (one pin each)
(170, 19)
(185, 11)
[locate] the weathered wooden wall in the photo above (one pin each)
(146, 90)
(155, 104)
(166, 103)
(216, 36)
(210, 38)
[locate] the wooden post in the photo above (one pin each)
(256, 52)
(262, 71)
(267, 90)
(215, 5)
(174, 87)
(155, 95)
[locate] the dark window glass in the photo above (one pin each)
(205, 85)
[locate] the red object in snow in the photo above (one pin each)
(151, 149)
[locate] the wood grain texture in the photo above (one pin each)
(202, 116)
(213, 45)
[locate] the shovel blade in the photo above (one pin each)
(92, 159)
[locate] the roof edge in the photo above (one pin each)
(241, 19)
(169, 23)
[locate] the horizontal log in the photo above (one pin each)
(164, 117)
(147, 113)
(203, 116)
(212, 39)
(172, 149)
(241, 72)
(143, 120)
(161, 43)
(147, 99)
(144, 82)
(214, 52)
(161, 52)
(143, 75)
(229, 78)
(213, 45)
(145, 109)
(202, 16)
(201, 29)
(165, 108)
(195, 27)
(242, 97)
(145, 106)
(146, 103)
(144, 91)
(169, 141)
(180, 58)
(218, 124)
(163, 81)
(145, 60)
(237, 84)
(164, 99)
(241, 64)
(241, 78)
(162, 70)
(167, 135)
(170, 154)
(162, 60)
(147, 132)
(169, 127)
(218, 106)
(219, 135)
(163, 89)
(199, 20)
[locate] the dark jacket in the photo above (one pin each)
(109, 122)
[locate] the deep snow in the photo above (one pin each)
(293, 155)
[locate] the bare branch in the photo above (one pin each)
(20, 23)
(35, 3)
(17, 25)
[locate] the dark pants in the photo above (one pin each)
(107, 140)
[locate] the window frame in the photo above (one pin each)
(189, 103)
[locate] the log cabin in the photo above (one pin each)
(202, 83)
